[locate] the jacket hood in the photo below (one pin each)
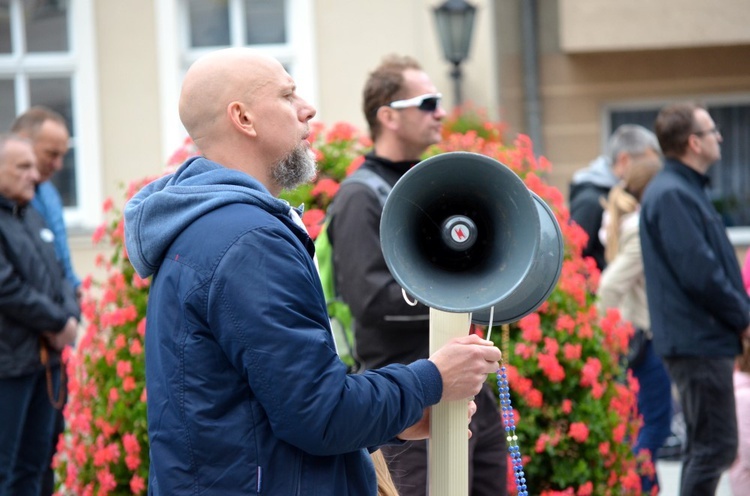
(160, 211)
(599, 173)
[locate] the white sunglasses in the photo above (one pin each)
(425, 103)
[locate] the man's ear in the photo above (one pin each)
(241, 118)
(388, 117)
(694, 144)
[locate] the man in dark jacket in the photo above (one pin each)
(38, 318)
(48, 133)
(402, 107)
(697, 301)
(591, 185)
(246, 394)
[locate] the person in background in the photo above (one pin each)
(697, 302)
(48, 133)
(246, 393)
(49, 136)
(623, 286)
(38, 318)
(590, 186)
(739, 473)
(402, 108)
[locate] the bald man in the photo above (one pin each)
(48, 133)
(38, 318)
(246, 394)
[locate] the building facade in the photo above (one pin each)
(566, 72)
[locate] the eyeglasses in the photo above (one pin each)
(425, 103)
(713, 130)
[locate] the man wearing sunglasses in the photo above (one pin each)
(403, 111)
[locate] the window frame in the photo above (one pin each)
(79, 64)
(175, 56)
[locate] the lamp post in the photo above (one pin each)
(455, 23)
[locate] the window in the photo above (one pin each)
(730, 178)
(41, 65)
(280, 28)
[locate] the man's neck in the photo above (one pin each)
(395, 151)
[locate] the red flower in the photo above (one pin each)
(541, 442)
(326, 186)
(529, 325)
(341, 131)
(313, 220)
(551, 367)
(586, 489)
(579, 432)
(604, 448)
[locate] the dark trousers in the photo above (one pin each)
(487, 455)
(48, 480)
(26, 422)
(655, 405)
(707, 398)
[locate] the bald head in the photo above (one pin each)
(242, 110)
(214, 81)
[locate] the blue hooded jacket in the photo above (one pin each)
(246, 394)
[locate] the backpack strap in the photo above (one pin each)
(372, 180)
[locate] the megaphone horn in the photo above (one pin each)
(539, 282)
(460, 232)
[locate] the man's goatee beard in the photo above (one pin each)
(297, 168)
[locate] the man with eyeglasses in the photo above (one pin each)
(697, 301)
(402, 108)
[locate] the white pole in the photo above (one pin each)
(448, 446)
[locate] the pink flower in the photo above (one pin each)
(128, 384)
(530, 328)
(572, 351)
(124, 367)
(137, 484)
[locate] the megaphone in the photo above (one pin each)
(461, 233)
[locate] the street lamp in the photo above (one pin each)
(455, 23)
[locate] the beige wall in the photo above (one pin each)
(129, 92)
(596, 25)
(352, 38)
(128, 109)
(576, 88)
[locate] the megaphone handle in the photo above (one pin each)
(411, 303)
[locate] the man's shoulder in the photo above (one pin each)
(664, 186)
(233, 218)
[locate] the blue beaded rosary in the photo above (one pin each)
(507, 412)
(510, 430)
